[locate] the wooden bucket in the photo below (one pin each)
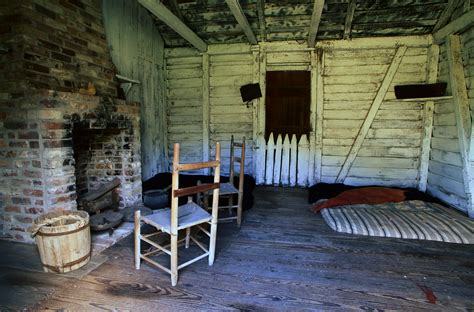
(64, 240)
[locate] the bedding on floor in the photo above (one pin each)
(407, 219)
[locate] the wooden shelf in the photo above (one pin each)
(437, 98)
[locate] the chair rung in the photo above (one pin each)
(159, 266)
(204, 230)
(199, 244)
(156, 245)
(237, 160)
(227, 219)
(238, 144)
(234, 206)
(193, 260)
(152, 234)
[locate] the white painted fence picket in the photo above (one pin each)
(285, 162)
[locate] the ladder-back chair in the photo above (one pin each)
(172, 220)
(228, 189)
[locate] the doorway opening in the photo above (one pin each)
(287, 104)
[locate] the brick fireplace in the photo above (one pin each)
(57, 146)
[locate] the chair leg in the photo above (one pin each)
(239, 208)
(212, 242)
(137, 239)
(188, 235)
(231, 203)
(174, 259)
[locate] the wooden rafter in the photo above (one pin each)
(261, 19)
(364, 129)
(239, 15)
(349, 16)
(164, 14)
(457, 26)
(175, 9)
(315, 20)
(446, 14)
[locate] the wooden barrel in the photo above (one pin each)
(64, 240)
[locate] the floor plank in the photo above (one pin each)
(282, 258)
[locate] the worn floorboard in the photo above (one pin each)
(283, 258)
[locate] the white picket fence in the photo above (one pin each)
(285, 162)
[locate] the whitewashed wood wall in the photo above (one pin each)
(137, 51)
(390, 153)
(204, 104)
(446, 179)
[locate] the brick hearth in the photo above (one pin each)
(37, 163)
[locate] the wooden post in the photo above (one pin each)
(428, 112)
(364, 129)
(205, 109)
(462, 113)
(137, 234)
(174, 218)
(215, 207)
(317, 108)
(240, 198)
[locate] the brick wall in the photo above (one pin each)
(49, 49)
(54, 45)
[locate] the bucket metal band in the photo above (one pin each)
(62, 233)
(69, 264)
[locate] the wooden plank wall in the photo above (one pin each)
(390, 153)
(137, 51)
(445, 179)
(184, 103)
(228, 114)
(351, 77)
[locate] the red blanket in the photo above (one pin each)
(365, 195)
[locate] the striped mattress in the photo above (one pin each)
(408, 219)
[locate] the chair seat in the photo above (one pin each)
(188, 215)
(227, 188)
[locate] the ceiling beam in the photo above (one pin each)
(166, 16)
(239, 15)
(349, 16)
(457, 26)
(445, 15)
(261, 19)
(315, 20)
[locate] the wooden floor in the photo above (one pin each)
(283, 258)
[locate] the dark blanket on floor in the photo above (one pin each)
(329, 190)
(162, 180)
(364, 195)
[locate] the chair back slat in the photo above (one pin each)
(201, 188)
(197, 166)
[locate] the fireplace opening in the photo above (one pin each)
(101, 155)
